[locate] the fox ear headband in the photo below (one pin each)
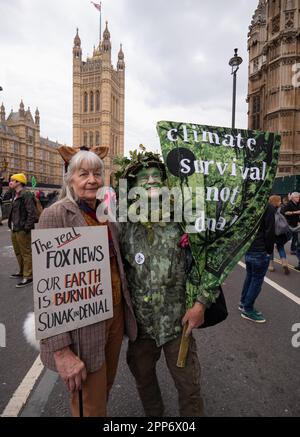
(67, 153)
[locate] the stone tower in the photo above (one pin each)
(273, 89)
(98, 100)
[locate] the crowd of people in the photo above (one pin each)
(150, 305)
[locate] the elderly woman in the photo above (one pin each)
(100, 343)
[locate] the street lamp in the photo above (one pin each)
(234, 63)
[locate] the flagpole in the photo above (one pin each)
(100, 21)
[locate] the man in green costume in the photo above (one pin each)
(155, 266)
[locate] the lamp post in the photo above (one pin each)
(4, 162)
(234, 63)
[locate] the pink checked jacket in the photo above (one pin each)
(64, 214)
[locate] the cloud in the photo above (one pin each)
(176, 55)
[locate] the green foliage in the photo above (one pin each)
(128, 167)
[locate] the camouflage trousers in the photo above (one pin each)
(142, 356)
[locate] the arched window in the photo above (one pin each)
(91, 101)
(85, 139)
(97, 101)
(113, 106)
(85, 102)
(91, 139)
(114, 146)
(97, 139)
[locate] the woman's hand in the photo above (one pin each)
(194, 316)
(70, 368)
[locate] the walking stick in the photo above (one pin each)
(80, 399)
(184, 347)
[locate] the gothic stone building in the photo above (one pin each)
(98, 100)
(273, 92)
(24, 150)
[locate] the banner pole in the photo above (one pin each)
(184, 347)
(100, 21)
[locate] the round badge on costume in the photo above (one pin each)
(140, 258)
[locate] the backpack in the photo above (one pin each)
(38, 206)
(281, 224)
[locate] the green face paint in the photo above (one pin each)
(149, 178)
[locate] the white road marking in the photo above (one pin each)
(277, 287)
(289, 265)
(22, 393)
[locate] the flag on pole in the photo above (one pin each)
(97, 6)
(33, 181)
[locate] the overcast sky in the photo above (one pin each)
(176, 54)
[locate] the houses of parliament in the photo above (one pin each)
(98, 119)
(99, 97)
(273, 90)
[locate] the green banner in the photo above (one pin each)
(33, 182)
(228, 175)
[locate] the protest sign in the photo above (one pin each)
(71, 279)
(228, 175)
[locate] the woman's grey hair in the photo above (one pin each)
(83, 156)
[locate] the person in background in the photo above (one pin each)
(1, 180)
(21, 220)
(38, 203)
(100, 343)
(291, 211)
(257, 261)
(285, 200)
(51, 198)
(280, 240)
(296, 232)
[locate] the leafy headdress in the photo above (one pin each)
(129, 167)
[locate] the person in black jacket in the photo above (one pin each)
(257, 261)
(21, 221)
(291, 211)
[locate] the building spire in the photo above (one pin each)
(77, 40)
(21, 108)
(2, 112)
(106, 39)
(37, 117)
(121, 63)
(77, 51)
(259, 16)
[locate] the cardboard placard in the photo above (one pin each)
(71, 279)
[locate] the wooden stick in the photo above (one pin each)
(80, 399)
(184, 347)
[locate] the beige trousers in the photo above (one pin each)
(96, 388)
